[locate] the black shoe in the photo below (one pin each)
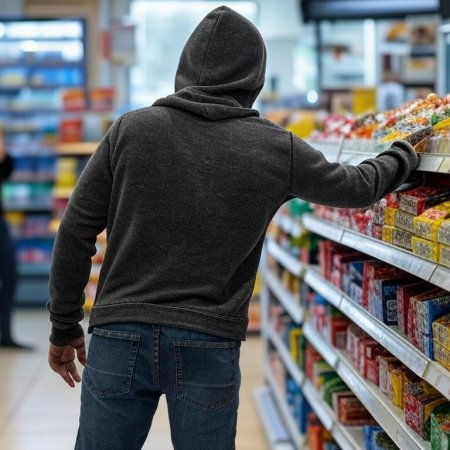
(14, 345)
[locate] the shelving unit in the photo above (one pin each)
(350, 438)
(39, 58)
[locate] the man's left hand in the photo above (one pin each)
(62, 360)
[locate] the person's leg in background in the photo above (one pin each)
(8, 283)
(120, 391)
(201, 378)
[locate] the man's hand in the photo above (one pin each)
(62, 360)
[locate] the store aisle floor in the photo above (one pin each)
(38, 411)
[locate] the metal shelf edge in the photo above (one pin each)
(283, 295)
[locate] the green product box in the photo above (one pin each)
(440, 428)
(331, 386)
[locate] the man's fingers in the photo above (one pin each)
(81, 354)
(73, 372)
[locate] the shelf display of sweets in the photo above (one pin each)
(318, 437)
(423, 122)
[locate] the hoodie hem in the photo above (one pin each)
(234, 328)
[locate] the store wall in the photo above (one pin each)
(280, 26)
(84, 8)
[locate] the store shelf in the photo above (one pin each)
(276, 432)
(290, 263)
(381, 408)
(285, 297)
(294, 371)
(400, 347)
(76, 148)
(413, 264)
(289, 225)
(322, 410)
(288, 419)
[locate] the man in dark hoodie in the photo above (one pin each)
(185, 189)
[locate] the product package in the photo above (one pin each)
(404, 220)
(389, 216)
(350, 411)
(331, 386)
(375, 438)
(440, 428)
(444, 255)
(414, 335)
(396, 387)
(417, 200)
(376, 270)
(427, 224)
(418, 409)
(383, 298)
(387, 364)
(425, 248)
(441, 330)
(427, 311)
(441, 354)
(444, 232)
(402, 238)
(387, 233)
(404, 293)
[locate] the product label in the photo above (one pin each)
(404, 221)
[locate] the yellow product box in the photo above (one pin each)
(396, 387)
(444, 232)
(389, 215)
(402, 238)
(425, 248)
(427, 224)
(444, 255)
(404, 220)
(387, 232)
(441, 330)
(441, 354)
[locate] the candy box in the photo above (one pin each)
(337, 332)
(375, 438)
(427, 224)
(404, 220)
(364, 345)
(393, 200)
(350, 411)
(444, 255)
(418, 409)
(339, 262)
(417, 200)
(333, 385)
(440, 428)
(322, 372)
(441, 354)
(427, 311)
(412, 323)
(396, 386)
(387, 233)
(354, 335)
(413, 384)
(387, 363)
(389, 216)
(404, 293)
(311, 357)
(425, 249)
(383, 298)
(375, 270)
(441, 330)
(402, 238)
(444, 232)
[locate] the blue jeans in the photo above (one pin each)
(129, 367)
(8, 281)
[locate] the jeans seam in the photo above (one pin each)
(156, 338)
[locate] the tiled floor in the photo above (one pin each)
(38, 411)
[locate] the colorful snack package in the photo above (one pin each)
(441, 354)
(441, 330)
(444, 255)
(417, 200)
(402, 238)
(426, 249)
(387, 233)
(404, 220)
(443, 235)
(427, 224)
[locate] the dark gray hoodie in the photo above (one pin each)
(186, 189)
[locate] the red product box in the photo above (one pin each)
(350, 411)
(371, 362)
(412, 323)
(393, 200)
(327, 249)
(354, 335)
(338, 332)
(404, 293)
(311, 357)
(339, 261)
(362, 347)
(417, 200)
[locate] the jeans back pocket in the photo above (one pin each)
(207, 373)
(110, 364)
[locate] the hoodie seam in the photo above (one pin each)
(207, 48)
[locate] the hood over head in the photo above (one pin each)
(221, 69)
